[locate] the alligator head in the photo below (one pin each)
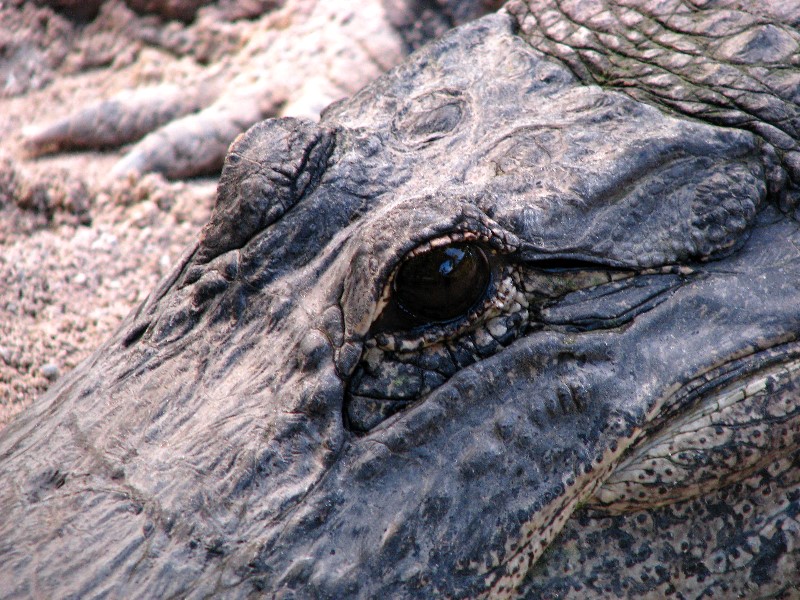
(477, 304)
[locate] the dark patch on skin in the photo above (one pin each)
(764, 566)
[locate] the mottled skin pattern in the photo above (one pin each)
(616, 415)
(304, 55)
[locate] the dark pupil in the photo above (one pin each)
(444, 283)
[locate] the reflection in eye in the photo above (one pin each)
(444, 283)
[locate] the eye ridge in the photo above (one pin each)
(442, 284)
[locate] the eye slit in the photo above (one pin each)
(562, 265)
(443, 283)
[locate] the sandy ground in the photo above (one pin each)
(77, 251)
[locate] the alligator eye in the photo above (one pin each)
(444, 283)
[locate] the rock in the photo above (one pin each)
(50, 371)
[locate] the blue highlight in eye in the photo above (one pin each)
(455, 256)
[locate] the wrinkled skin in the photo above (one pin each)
(616, 414)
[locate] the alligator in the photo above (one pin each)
(519, 319)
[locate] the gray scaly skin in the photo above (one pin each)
(613, 413)
(301, 57)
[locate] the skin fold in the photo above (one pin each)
(615, 415)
